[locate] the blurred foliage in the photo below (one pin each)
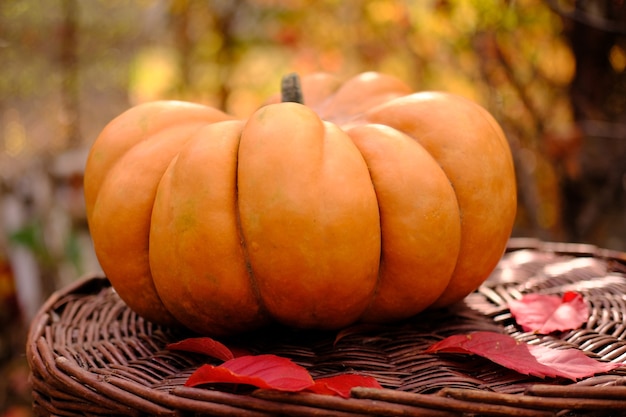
(31, 237)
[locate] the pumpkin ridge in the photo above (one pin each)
(154, 135)
(498, 133)
(113, 142)
(420, 115)
(244, 245)
(410, 227)
(202, 275)
(141, 264)
(282, 183)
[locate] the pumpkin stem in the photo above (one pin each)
(290, 89)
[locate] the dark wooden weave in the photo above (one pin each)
(91, 356)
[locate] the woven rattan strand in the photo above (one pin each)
(91, 356)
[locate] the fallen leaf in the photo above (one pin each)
(203, 345)
(538, 361)
(342, 384)
(571, 363)
(499, 348)
(262, 371)
(544, 314)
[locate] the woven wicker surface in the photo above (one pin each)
(91, 356)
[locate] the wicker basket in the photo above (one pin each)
(91, 356)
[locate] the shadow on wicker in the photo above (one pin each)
(91, 356)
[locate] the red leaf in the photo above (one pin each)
(541, 313)
(499, 348)
(262, 371)
(571, 363)
(538, 361)
(203, 345)
(342, 384)
(209, 374)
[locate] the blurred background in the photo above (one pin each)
(552, 72)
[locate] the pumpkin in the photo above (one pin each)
(368, 202)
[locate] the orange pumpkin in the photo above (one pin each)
(367, 203)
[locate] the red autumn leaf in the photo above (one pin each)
(571, 363)
(526, 359)
(203, 345)
(342, 384)
(544, 314)
(499, 348)
(262, 371)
